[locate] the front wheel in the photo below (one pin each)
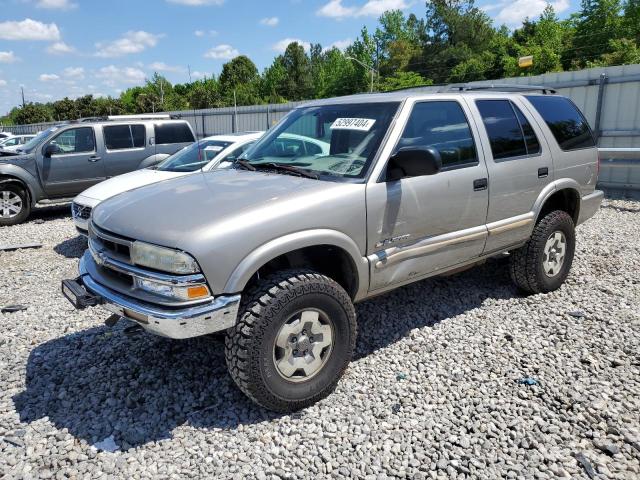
(14, 204)
(543, 263)
(293, 341)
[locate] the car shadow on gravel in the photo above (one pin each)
(100, 382)
(72, 247)
(53, 212)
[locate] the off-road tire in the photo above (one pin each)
(26, 206)
(526, 263)
(265, 308)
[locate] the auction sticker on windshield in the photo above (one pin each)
(360, 124)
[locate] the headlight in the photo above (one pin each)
(186, 293)
(164, 259)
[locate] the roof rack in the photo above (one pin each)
(500, 87)
(123, 118)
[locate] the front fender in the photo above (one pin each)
(295, 241)
(152, 160)
(15, 172)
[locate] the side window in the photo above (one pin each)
(139, 134)
(166, 133)
(568, 125)
(117, 137)
(503, 128)
(75, 140)
(441, 125)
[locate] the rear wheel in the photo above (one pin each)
(293, 341)
(543, 263)
(14, 204)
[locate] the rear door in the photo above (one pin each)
(125, 147)
(169, 137)
(520, 167)
(75, 166)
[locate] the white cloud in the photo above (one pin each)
(204, 33)
(28, 29)
(514, 12)
(76, 73)
(340, 44)
(270, 21)
(3, 83)
(131, 42)
(60, 48)
(163, 67)
(112, 75)
(56, 4)
(196, 75)
(223, 51)
(7, 57)
(282, 45)
(197, 3)
(371, 8)
(49, 77)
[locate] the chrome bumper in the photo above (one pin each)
(192, 321)
(590, 205)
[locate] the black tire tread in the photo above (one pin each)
(258, 301)
(524, 261)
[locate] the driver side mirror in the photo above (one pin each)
(413, 162)
(51, 149)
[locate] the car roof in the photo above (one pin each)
(235, 137)
(402, 95)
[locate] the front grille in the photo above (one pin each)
(112, 245)
(80, 211)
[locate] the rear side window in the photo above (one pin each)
(173, 133)
(530, 139)
(120, 137)
(503, 128)
(568, 125)
(441, 125)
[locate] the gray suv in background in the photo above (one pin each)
(276, 250)
(66, 159)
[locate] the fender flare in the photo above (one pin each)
(295, 241)
(152, 160)
(16, 173)
(553, 187)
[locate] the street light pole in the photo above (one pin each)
(371, 69)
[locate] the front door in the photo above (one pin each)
(420, 225)
(74, 165)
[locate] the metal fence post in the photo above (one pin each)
(268, 117)
(599, 104)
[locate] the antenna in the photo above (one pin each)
(22, 90)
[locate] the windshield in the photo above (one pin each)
(331, 141)
(193, 157)
(35, 141)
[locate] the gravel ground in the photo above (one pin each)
(455, 377)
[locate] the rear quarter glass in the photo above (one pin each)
(567, 124)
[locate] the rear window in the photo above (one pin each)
(568, 125)
(173, 133)
(120, 137)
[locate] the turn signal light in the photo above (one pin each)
(197, 291)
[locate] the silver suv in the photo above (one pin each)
(277, 250)
(62, 161)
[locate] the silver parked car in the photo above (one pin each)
(276, 251)
(66, 159)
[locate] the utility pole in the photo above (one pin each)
(370, 68)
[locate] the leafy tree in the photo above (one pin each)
(599, 22)
(297, 81)
(32, 113)
(401, 80)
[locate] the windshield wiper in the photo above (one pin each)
(287, 168)
(246, 165)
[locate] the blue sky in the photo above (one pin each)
(57, 48)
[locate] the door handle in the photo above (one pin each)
(543, 172)
(93, 158)
(480, 184)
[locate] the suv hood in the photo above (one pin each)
(183, 211)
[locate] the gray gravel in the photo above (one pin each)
(455, 377)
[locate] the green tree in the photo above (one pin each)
(401, 80)
(297, 82)
(598, 23)
(32, 113)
